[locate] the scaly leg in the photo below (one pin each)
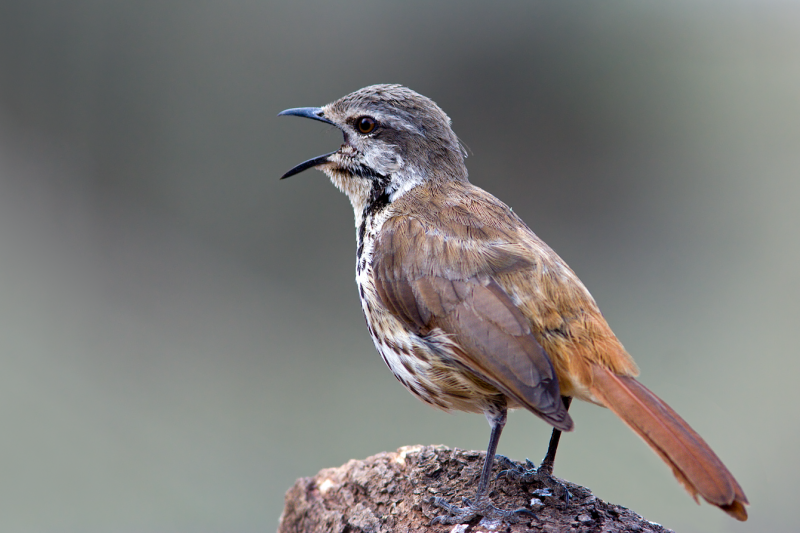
(481, 506)
(543, 474)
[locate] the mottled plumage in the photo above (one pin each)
(468, 307)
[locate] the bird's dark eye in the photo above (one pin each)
(365, 124)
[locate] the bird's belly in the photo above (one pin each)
(394, 343)
(421, 363)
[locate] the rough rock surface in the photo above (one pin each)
(393, 492)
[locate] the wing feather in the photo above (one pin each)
(438, 283)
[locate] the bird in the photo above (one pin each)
(470, 309)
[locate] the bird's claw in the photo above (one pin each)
(515, 472)
(472, 510)
(530, 474)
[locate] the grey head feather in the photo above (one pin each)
(410, 126)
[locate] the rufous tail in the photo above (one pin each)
(692, 461)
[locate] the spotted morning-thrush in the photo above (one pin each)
(469, 308)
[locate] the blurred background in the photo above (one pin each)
(180, 333)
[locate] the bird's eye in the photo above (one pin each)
(365, 124)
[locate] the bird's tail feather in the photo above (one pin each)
(692, 461)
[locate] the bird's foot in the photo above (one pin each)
(471, 510)
(515, 472)
(551, 486)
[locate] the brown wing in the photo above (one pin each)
(431, 280)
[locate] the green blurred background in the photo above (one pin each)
(180, 334)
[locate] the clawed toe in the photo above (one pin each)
(514, 472)
(559, 489)
(472, 510)
(530, 474)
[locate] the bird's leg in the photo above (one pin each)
(543, 474)
(481, 506)
(550, 457)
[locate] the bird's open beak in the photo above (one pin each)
(314, 113)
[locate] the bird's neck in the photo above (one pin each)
(370, 194)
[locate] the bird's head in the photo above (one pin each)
(394, 140)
